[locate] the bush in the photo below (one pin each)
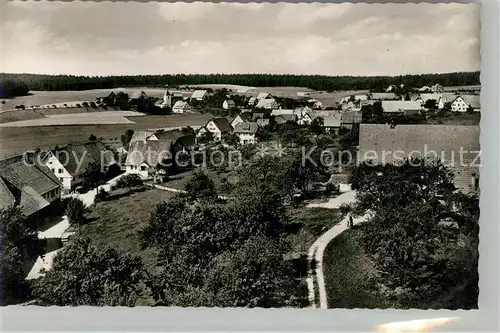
(129, 181)
(201, 186)
(78, 105)
(76, 211)
(345, 208)
(331, 188)
(102, 195)
(92, 137)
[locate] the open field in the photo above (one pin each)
(109, 225)
(29, 114)
(88, 118)
(16, 140)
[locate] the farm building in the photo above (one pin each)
(246, 132)
(243, 117)
(386, 96)
(70, 162)
(462, 103)
(219, 127)
(170, 98)
(402, 107)
(264, 95)
(267, 104)
(29, 185)
(181, 107)
(332, 124)
(386, 144)
(228, 104)
(199, 95)
(150, 149)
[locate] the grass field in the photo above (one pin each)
(349, 274)
(16, 140)
(457, 118)
(111, 225)
(312, 223)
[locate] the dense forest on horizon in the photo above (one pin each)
(316, 82)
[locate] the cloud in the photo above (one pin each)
(103, 38)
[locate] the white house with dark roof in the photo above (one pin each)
(228, 104)
(200, 95)
(27, 184)
(463, 102)
(246, 132)
(244, 117)
(181, 107)
(218, 127)
(268, 104)
(264, 95)
(70, 162)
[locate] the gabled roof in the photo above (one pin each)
(76, 157)
(181, 105)
(141, 136)
(382, 96)
(448, 97)
(6, 197)
(23, 182)
(258, 115)
(175, 93)
(270, 102)
(229, 101)
(400, 106)
(331, 121)
(245, 116)
(262, 122)
(264, 95)
(282, 119)
(149, 152)
(138, 94)
(352, 117)
(408, 138)
(246, 128)
(199, 93)
(280, 112)
(222, 124)
(426, 97)
(473, 100)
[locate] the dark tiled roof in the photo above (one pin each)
(223, 124)
(246, 128)
(31, 201)
(71, 155)
(246, 116)
(257, 115)
(150, 152)
(352, 117)
(6, 197)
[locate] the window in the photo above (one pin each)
(53, 170)
(60, 171)
(143, 168)
(60, 179)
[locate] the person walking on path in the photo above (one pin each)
(351, 221)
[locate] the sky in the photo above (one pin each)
(109, 38)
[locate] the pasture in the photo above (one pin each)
(16, 140)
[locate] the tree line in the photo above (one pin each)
(316, 82)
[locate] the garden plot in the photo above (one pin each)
(92, 118)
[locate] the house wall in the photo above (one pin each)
(411, 112)
(459, 105)
(247, 138)
(214, 130)
(52, 195)
(60, 172)
(141, 170)
(236, 121)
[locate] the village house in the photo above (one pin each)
(261, 122)
(407, 108)
(385, 143)
(149, 149)
(350, 119)
(181, 107)
(305, 118)
(317, 105)
(228, 104)
(200, 95)
(252, 101)
(246, 132)
(29, 185)
(287, 114)
(70, 162)
(385, 96)
(332, 124)
(220, 128)
(170, 97)
(268, 104)
(244, 117)
(264, 95)
(462, 103)
(259, 115)
(139, 98)
(349, 106)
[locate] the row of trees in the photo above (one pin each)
(422, 263)
(316, 82)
